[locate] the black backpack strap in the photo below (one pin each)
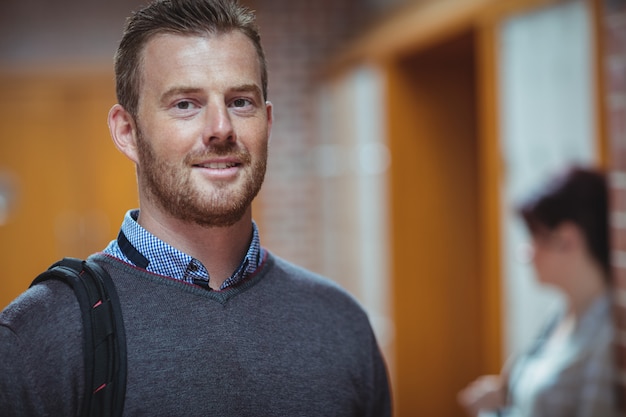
(104, 337)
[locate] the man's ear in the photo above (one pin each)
(269, 108)
(123, 132)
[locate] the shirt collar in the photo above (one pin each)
(166, 260)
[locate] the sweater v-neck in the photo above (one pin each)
(221, 296)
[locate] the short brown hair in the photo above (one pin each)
(579, 195)
(184, 17)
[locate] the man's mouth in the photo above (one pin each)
(218, 165)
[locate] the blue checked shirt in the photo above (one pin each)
(165, 260)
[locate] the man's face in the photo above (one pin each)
(202, 127)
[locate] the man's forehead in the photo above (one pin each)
(168, 46)
(197, 56)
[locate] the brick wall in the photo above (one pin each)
(614, 41)
(299, 37)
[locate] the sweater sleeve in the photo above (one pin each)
(17, 396)
(41, 359)
(380, 400)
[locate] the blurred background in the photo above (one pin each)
(405, 131)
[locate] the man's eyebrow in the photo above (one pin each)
(183, 90)
(247, 88)
(176, 91)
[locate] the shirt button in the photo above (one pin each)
(193, 267)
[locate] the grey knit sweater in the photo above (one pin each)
(284, 343)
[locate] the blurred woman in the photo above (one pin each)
(569, 371)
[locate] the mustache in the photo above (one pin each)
(221, 149)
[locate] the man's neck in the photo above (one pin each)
(220, 249)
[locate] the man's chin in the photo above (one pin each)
(212, 215)
(213, 220)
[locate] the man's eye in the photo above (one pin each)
(241, 102)
(183, 105)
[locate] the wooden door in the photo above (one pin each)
(72, 187)
(432, 114)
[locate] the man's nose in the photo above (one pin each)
(218, 125)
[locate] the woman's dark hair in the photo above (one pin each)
(579, 196)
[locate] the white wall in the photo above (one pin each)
(352, 164)
(547, 122)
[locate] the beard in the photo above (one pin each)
(170, 186)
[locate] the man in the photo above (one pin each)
(215, 324)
